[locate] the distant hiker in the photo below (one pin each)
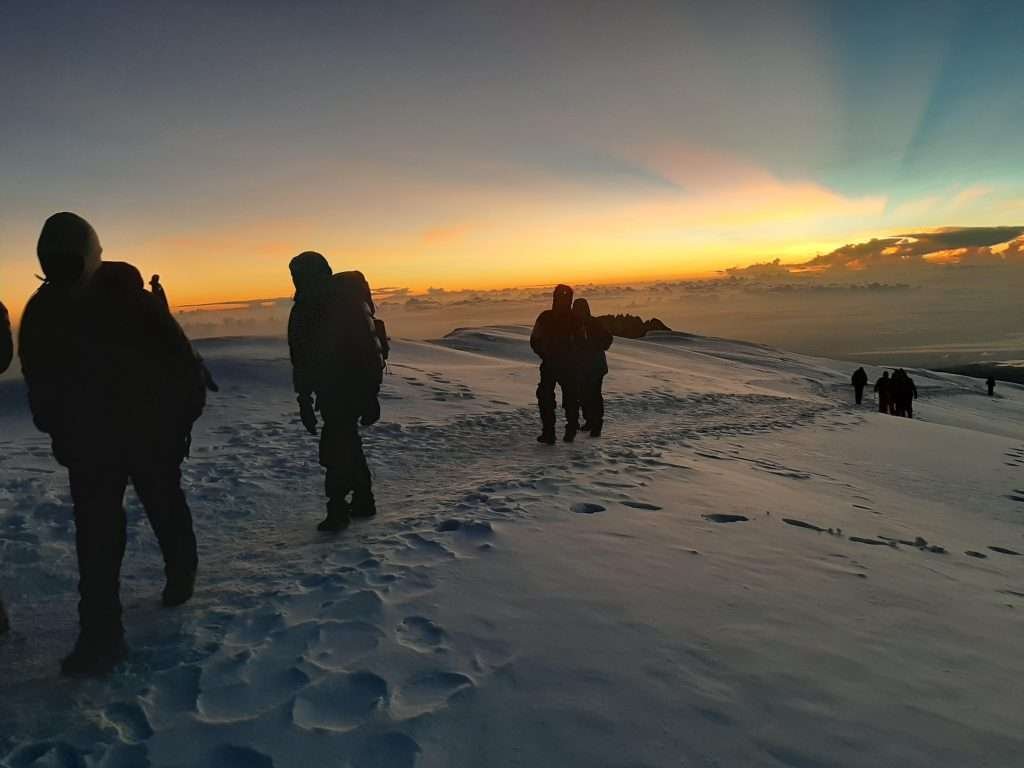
(859, 381)
(553, 340)
(337, 356)
(883, 387)
(157, 290)
(908, 395)
(990, 382)
(6, 340)
(903, 393)
(591, 364)
(897, 396)
(112, 379)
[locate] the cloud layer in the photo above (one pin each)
(963, 246)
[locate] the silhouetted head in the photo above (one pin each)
(117, 278)
(309, 270)
(561, 299)
(68, 249)
(885, 374)
(581, 309)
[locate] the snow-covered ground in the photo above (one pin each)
(745, 570)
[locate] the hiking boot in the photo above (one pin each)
(363, 506)
(179, 588)
(93, 659)
(337, 517)
(595, 431)
(547, 437)
(570, 434)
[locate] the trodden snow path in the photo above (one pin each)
(744, 571)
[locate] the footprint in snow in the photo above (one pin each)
(872, 542)
(420, 634)
(1004, 551)
(720, 517)
(427, 692)
(587, 508)
(339, 703)
(801, 524)
(641, 505)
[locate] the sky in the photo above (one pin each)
(480, 145)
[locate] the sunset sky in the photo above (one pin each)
(486, 144)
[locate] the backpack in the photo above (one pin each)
(352, 347)
(382, 339)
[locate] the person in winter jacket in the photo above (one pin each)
(113, 380)
(859, 381)
(553, 340)
(883, 387)
(903, 394)
(337, 359)
(592, 342)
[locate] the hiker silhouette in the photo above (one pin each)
(591, 341)
(113, 380)
(905, 394)
(859, 381)
(553, 340)
(337, 353)
(990, 383)
(883, 386)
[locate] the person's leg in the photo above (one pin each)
(546, 404)
(338, 480)
(859, 394)
(583, 401)
(596, 406)
(158, 486)
(363, 502)
(98, 495)
(569, 384)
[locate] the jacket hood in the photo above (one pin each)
(310, 271)
(561, 298)
(581, 307)
(69, 249)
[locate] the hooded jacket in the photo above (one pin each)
(592, 340)
(111, 376)
(553, 335)
(332, 337)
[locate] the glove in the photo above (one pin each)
(372, 413)
(307, 414)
